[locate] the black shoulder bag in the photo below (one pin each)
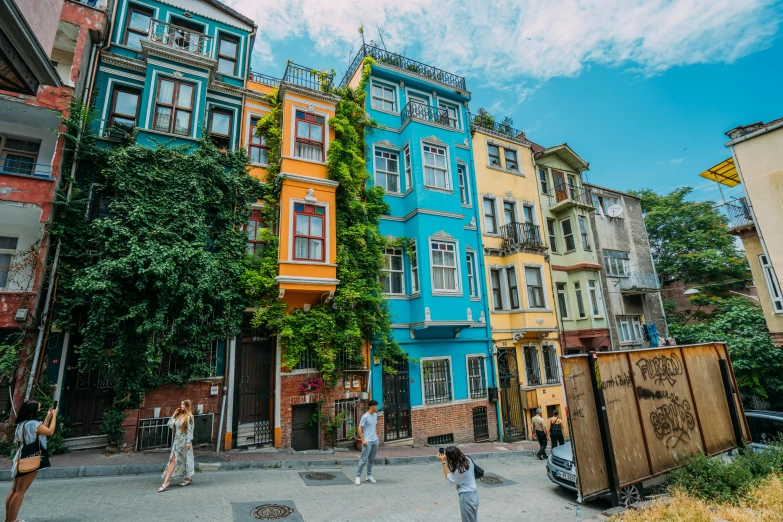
(478, 471)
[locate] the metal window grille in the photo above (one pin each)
(550, 365)
(351, 407)
(476, 377)
(307, 361)
(447, 438)
(154, 433)
(532, 368)
(171, 364)
(437, 381)
(480, 424)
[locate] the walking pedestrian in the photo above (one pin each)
(30, 435)
(369, 442)
(181, 463)
(556, 430)
(460, 472)
(541, 434)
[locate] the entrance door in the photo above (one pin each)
(304, 433)
(560, 186)
(89, 394)
(510, 397)
(255, 373)
(397, 403)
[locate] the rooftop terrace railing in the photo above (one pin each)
(490, 124)
(737, 211)
(385, 57)
(264, 79)
(308, 78)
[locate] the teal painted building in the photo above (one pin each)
(174, 72)
(421, 155)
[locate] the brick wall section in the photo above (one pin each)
(168, 398)
(291, 396)
(448, 418)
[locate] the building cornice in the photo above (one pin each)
(324, 281)
(308, 179)
(286, 87)
(123, 61)
(578, 266)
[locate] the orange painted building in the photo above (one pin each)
(268, 406)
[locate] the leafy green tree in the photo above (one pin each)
(758, 364)
(689, 240)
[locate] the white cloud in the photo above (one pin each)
(499, 40)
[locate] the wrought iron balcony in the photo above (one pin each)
(308, 78)
(737, 212)
(637, 283)
(566, 196)
(423, 112)
(491, 125)
(180, 38)
(384, 57)
(523, 234)
(264, 79)
(21, 166)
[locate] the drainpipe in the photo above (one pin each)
(35, 369)
(482, 287)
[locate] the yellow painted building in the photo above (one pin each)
(519, 279)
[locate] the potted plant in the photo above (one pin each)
(311, 385)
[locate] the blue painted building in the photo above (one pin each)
(173, 72)
(421, 155)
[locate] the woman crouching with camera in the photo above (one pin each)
(460, 472)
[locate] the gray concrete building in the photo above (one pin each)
(631, 288)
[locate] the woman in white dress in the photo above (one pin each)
(181, 463)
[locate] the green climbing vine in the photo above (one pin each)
(154, 280)
(334, 332)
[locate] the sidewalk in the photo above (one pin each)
(93, 463)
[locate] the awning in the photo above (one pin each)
(724, 172)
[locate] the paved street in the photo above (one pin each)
(415, 492)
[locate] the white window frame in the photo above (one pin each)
(565, 241)
(564, 294)
(387, 255)
(552, 234)
(464, 186)
(543, 183)
(595, 297)
(417, 94)
(629, 329)
(250, 131)
(533, 213)
(406, 155)
(423, 384)
(473, 286)
(494, 200)
(580, 300)
(584, 232)
(457, 273)
(500, 156)
(482, 357)
(611, 265)
(395, 101)
(424, 166)
(12, 253)
(516, 160)
(414, 264)
(448, 104)
(543, 286)
(515, 210)
(773, 286)
(292, 145)
(388, 156)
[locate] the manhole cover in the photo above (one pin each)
(491, 480)
(271, 512)
(319, 476)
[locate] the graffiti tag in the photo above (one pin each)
(618, 381)
(673, 422)
(661, 369)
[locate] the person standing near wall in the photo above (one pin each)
(541, 434)
(181, 461)
(369, 442)
(556, 429)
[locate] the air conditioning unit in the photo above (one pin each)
(21, 314)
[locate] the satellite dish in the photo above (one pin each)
(615, 210)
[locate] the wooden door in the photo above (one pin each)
(89, 394)
(560, 186)
(304, 433)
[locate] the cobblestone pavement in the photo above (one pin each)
(403, 493)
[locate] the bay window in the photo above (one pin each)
(435, 173)
(387, 174)
(443, 260)
(310, 136)
(257, 149)
(309, 232)
(393, 272)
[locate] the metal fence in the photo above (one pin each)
(180, 38)
(351, 409)
(571, 194)
(637, 282)
(421, 111)
(308, 78)
(532, 367)
(270, 81)
(521, 234)
(737, 212)
(154, 433)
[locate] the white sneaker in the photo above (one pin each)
(358, 481)
(371, 480)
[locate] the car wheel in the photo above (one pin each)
(630, 495)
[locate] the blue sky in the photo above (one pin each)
(641, 89)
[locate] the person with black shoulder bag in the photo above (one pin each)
(461, 471)
(31, 455)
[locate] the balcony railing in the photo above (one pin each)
(264, 79)
(308, 78)
(526, 234)
(638, 283)
(401, 62)
(571, 195)
(25, 167)
(180, 38)
(737, 213)
(423, 112)
(499, 128)
(117, 133)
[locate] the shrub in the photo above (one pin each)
(112, 425)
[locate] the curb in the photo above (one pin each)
(145, 469)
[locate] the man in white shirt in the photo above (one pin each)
(369, 442)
